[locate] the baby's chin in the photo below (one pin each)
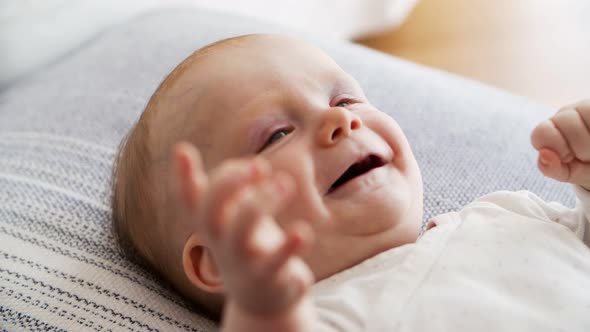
(381, 211)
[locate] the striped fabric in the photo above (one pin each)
(60, 269)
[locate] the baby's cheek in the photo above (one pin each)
(303, 206)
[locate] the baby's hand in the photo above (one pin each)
(563, 143)
(234, 206)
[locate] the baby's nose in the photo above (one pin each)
(337, 123)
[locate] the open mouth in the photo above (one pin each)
(359, 168)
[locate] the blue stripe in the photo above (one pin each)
(79, 299)
(17, 318)
(91, 286)
(100, 265)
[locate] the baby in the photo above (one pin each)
(260, 181)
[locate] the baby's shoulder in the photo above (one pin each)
(522, 202)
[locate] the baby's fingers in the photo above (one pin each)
(191, 179)
(547, 135)
(550, 165)
(254, 231)
(567, 133)
(573, 124)
(297, 237)
(256, 236)
(583, 108)
(575, 171)
(226, 183)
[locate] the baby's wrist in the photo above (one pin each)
(298, 316)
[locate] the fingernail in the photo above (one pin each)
(254, 168)
(543, 159)
(258, 167)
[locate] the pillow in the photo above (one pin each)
(60, 268)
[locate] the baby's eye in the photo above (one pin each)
(277, 135)
(344, 103)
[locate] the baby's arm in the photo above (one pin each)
(264, 280)
(563, 143)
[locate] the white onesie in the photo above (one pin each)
(506, 262)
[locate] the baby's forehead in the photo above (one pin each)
(269, 61)
(231, 72)
(209, 90)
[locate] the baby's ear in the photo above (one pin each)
(199, 266)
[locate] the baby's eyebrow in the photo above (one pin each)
(346, 84)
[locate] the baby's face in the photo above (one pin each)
(358, 183)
